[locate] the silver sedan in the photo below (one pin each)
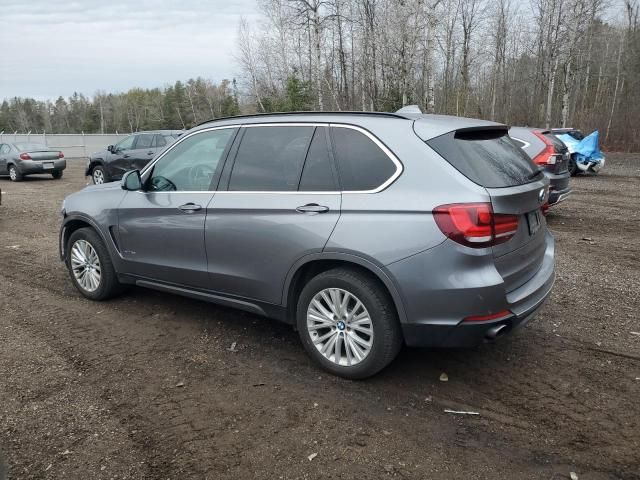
(20, 159)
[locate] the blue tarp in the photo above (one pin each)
(586, 150)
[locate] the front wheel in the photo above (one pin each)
(348, 324)
(57, 174)
(90, 266)
(99, 175)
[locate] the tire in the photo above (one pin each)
(107, 285)
(57, 174)
(573, 167)
(385, 340)
(99, 175)
(14, 174)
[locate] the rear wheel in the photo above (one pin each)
(347, 323)
(90, 266)
(57, 174)
(14, 174)
(99, 175)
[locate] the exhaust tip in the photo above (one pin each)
(496, 331)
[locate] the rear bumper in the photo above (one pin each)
(435, 316)
(28, 167)
(559, 188)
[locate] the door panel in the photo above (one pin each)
(119, 162)
(160, 240)
(161, 229)
(4, 153)
(253, 239)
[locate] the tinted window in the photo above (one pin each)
(5, 149)
(317, 174)
(160, 141)
(487, 157)
(361, 163)
(192, 164)
(270, 159)
(144, 141)
(557, 143)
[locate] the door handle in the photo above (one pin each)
(312, 208)
(150, 153)
(126, 156)
(190, 207)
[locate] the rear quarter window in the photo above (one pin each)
(487, 157)
(362, 165)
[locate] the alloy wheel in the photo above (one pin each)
(340, 327)
(85, 265)
(13, 174)
(98, 176)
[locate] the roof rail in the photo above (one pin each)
(346, 112)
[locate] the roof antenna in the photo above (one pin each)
(413, 109)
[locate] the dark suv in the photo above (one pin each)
(364, 231)
(551, 154)
(130, 153)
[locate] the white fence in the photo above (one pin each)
(73, 145)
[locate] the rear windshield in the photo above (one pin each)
(30, 147)
(487, 157)
(560, 147)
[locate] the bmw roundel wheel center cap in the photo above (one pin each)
(341, 325)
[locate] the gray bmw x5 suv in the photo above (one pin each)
(365, 231)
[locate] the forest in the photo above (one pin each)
(546, 63)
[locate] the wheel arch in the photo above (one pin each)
(71, 224)
(312, 265)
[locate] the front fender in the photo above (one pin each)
(64, 234)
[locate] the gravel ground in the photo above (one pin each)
(145, 387)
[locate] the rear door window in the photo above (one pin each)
(270, 159)
(487, 157)
(159, 141)
(317, 173)
(362, 165)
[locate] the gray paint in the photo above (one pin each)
(246, 247)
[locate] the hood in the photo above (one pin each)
(102, 187)
(99, 154)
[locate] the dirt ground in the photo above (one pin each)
(146, 387)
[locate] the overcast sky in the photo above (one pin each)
(55, 47)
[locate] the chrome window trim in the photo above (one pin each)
(398, 164)
(525, 144)
(180, 139)
(383, 147)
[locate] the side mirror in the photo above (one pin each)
(110, 148)
(131, 181)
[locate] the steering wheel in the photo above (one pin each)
(162, 184)
(200, 176)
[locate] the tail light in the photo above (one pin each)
(548, 155)
(25, 156)
(486, 318)
(60, 155)
(474, 224)
(545, 208)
